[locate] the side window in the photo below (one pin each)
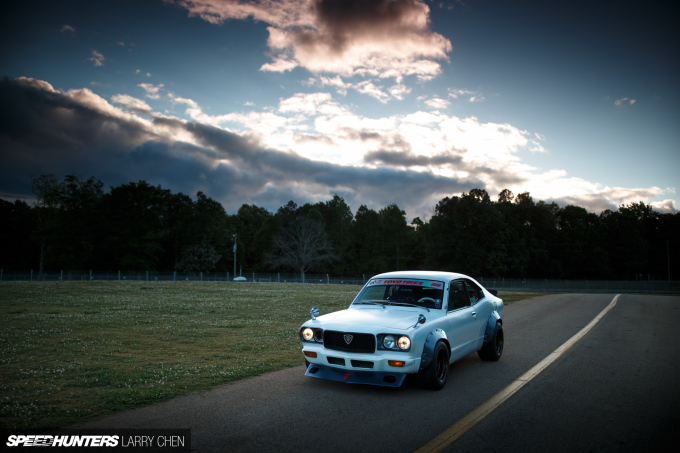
(457, 295)
(474, 292)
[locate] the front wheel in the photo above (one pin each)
(493, 349)
(434, 375)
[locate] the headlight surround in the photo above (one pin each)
(391, 342)
(404, 343)
(388, 342)
(311, 335)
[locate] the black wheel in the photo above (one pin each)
(434, 375)
(493, 349)
(306, 363)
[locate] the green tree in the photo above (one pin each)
(209, 237)
(581, 243)
(17, 224)
(368, 246)
(396, 235)
(254, 227)
(138, 225)
(301, 244)
(337, 218)
(67, 213)
(465, 235)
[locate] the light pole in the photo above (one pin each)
(235, 256)
(668, 258)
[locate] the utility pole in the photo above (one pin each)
(235, 236)
(668, 258)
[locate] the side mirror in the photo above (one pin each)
(314, 312)
(421, 319)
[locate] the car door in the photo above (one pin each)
(482, 309)
(462, 321)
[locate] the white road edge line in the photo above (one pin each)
(459, 428)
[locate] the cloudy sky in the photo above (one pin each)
(379, 101)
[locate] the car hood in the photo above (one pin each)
(369, 318)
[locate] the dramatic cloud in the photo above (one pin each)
(43, 130)
(305, 149)
(369, 38)
(131, 103)
(67, 28)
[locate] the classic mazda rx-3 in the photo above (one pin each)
(403, 323)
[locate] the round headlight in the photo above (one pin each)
(404, 343)
(318, 335)
(307, 334)
(388, 342)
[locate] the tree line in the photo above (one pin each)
(74, 224)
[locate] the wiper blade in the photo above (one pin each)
(370, 303)
(409, 305)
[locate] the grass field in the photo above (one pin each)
(72, 351)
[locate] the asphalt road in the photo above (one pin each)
(615, 390)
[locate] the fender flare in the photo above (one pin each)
(428, 348)
(494, 318)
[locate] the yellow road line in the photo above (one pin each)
(459, 428)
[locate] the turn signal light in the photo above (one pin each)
(311, 354)
(398, 363)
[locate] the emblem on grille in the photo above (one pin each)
(348, 338)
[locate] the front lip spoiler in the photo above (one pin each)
(385, 379)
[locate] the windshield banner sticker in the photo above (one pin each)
(406, 282)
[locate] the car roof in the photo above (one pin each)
(430, 275)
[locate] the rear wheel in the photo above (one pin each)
(434, 375)
(493, 349)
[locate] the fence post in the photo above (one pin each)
(278, 277)
(118, 275)
(61, 276)
(201, 276)
(31, 275)
(253, 276)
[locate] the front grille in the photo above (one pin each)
(362, 364)
(336, 361)
(361, 342)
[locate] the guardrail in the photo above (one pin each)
(500, 283)
(151, 276)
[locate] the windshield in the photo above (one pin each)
(409, 292)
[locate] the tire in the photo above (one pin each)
(434, 376)
(493, 349)
(306, 363)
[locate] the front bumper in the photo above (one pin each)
(353, 376)
(368, 368)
